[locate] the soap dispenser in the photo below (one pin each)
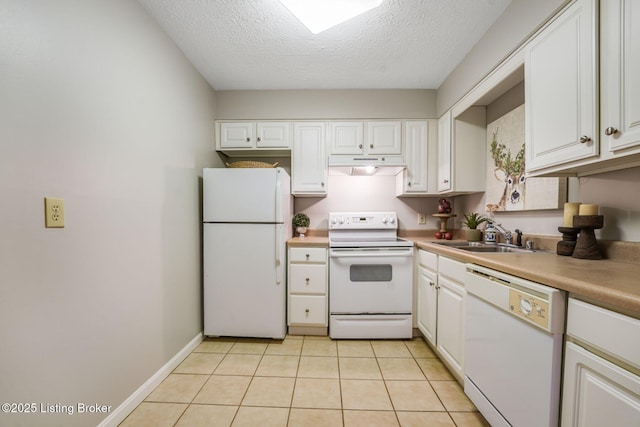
(490, 233)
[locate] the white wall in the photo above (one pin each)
(519, 20)
(618, 195)
(326, 104)
(367, 193)
(97, 107)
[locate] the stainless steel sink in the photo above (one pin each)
(457, 243)
(482, 247)
(494, 249)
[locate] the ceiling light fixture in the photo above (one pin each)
(319, 15)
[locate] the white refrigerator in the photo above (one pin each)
(247, 221)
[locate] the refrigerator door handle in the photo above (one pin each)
(278, 228)
(278, 196)
(279, 267)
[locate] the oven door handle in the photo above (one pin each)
(377, 253)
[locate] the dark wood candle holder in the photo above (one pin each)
(567, 245)
(587, 245)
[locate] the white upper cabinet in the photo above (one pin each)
(273, 135)
(560, 89)
(444, 152)
(365, 138)
(236, 135)
(564, 134)
(309, 166)
(384, 138)
(461, 152)
(620, 71)
(266, 138)
(419, 139)
(346, 138)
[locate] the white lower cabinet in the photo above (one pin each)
(307, 289)
(440, 308)
(601, 366)
(308, 310)
(451, 299)
(427, 295)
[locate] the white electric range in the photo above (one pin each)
(370, 277)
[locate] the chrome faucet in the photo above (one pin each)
(506, 234)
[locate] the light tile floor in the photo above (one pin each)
(308, 381)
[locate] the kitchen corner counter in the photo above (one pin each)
(612, 284)
(318, 241)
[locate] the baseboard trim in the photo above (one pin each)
(126, 407)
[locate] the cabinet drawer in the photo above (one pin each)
(308, 310)
(308, 279)
(308, 255)
(594, 325)
(428, 260)
(455, 270)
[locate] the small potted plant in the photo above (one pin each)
(472, 221)
(301, 222)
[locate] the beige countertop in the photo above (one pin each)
(612, 284)
(308, 241)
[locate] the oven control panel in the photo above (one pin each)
(363, 220)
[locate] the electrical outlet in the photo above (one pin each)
(422, 218)
(53, 212)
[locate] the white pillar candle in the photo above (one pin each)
(570, 209)
(588, 210)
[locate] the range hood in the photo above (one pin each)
(365, 165)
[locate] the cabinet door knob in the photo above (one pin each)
(584, 139)
(259, 139)
(306, 311)
(431, 284)
(446, 181)
(409, 183)
(370, 145)
(248, 139)
(322, 184)
(610, 131)
(307, 255)
(360, 146)
(307, 280)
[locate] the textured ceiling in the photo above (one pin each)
(258, 44)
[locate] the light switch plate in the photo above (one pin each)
(53, 212)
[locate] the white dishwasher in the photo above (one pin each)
(513, 348)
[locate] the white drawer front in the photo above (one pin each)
(308, 310)
(428, 259)
(452, 269)
(308, 279)
(611, 332)
(308, 255)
